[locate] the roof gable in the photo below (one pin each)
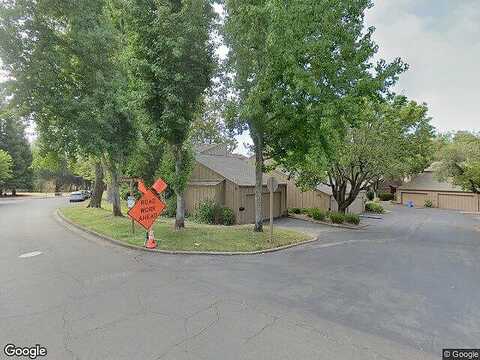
(232, 168)
(427, 181)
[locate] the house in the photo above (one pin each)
(442, 194)
(321, 197)
(229, 180)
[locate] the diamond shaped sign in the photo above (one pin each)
(159, 186)
(147, 209)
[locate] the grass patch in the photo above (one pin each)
(195, 237)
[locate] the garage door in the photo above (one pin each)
(250, 206)
(457, 202)
(418, 199)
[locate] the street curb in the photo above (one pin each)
(306, 218)
(28, 197)
(62, 219)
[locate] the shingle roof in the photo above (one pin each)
(325, 189)
(200, 148)
(232, 168)
(427, 181)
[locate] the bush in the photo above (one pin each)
(374, 207)
(337, 217)
(370, 195)
(295, 210)
(318, 214)
(228, 217)
(171, 209)
(352, 219)
(308, 212)
(209, 212)
(385, 196)
(428, 203)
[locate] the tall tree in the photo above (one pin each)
(209, 127)
(171, 63)
(63, 73)
(299, 68)
(459, 160)
(6, 165)
(13, 140)
(50, 166)
(389, 140)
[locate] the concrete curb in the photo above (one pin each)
(62, 219)
(342, 226)
(29, 197)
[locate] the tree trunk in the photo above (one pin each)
(344, 201)
(339, 189)
(14, 191)
(97, 194)
(342, 206)
(180, 215)
(115, 188)
(258, 144)
(57, 185)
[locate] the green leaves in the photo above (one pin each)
(6, 164)
(14, 142)
(171, 61)
(460, 161)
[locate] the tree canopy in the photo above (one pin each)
(300, 69)
(170, 63)
(13, 140)
(6, 165)
(459, 160)
(390, 139)
(61, 58)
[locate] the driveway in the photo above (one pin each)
(404, 288)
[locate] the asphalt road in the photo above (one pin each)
(405, 288)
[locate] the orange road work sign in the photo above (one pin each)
(159, 186)
(149, 207)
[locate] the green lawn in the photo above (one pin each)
(196, 237)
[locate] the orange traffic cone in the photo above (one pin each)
(151, 243)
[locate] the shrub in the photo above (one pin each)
(374, 207)
(308, 212)
(228, 217)
(428, 203)
(295, 210)
(370, 195)
(352, 219)
(385, 196)
(318, 214)
(171, 209)
(209, 212)
(337, 217)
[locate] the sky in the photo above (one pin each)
(440, 40)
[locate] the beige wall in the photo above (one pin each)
(318, 199)
(357, 207)
(246, 200)
(202, 173)
(196, 194)
(307, 199)
(231, 195)
(443, 200)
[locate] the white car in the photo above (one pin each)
(77, 196)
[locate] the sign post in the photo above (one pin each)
(148, 208)
(131, 203)
(272, 185)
